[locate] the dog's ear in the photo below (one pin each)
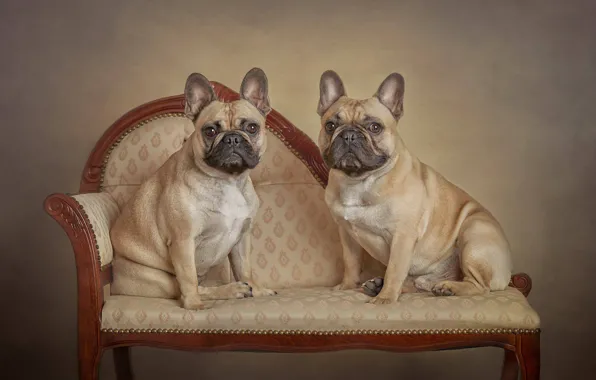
(255, 89)
(198, 94)
(391, 94)
(331, 89)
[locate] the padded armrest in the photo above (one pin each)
(101, 210)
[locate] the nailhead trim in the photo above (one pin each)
(327, 333)
(93, 236)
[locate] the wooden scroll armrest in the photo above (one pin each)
(86, 220)
(522, 282)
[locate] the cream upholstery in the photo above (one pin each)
(101, 210)
(320, 309)
(141, 152)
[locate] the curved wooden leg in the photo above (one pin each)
(528, 354)
(122, 363)
(89, 358)
(510, 366)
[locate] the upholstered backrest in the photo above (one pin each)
(295, 242)
(294, 239)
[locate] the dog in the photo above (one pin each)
(431, 235)
(196, 210)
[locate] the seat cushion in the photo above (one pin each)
(321, 309)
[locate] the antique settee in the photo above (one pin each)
(296, 251)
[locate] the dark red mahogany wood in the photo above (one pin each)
(522, 348)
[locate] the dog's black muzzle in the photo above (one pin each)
(352, 153)
(233, 154)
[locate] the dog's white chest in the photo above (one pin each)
(233, 213)
(362, 219)
(234, 205)
(356, 205)
(225, 225)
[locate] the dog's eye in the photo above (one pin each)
(330, 127)
(252, 128)
(375, 128)
(210, 131)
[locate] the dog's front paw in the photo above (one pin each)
(192, 302)
(373, 286)
(262, 292)
(346, 285)
(385, 297)
(378, 300)
(444, 288)
(238, 290)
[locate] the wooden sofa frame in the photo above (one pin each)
(521, 347)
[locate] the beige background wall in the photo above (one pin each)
(499, 98)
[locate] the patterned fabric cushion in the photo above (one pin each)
(141, 152)
(320, 309)
(295, 240)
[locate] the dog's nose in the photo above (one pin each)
(232, 139)
(349, 135)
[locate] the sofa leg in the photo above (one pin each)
(122, 363)
(510, 367)
(528, 354)
(89, 364)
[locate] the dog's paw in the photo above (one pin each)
(192, 302)
(373, 286)
(262, 292)
(444, 288)
(378, 300)
(238, 290)
(346, 286)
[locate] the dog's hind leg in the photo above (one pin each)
(448, 269)
(134, 279)
(485, 260)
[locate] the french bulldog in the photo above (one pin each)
(197, 209)
(431, 235)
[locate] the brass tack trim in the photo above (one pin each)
(91, 229)
(324, 332)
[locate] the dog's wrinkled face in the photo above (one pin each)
(229, 137)
(359, 136)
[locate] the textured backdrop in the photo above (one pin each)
(499, 98)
